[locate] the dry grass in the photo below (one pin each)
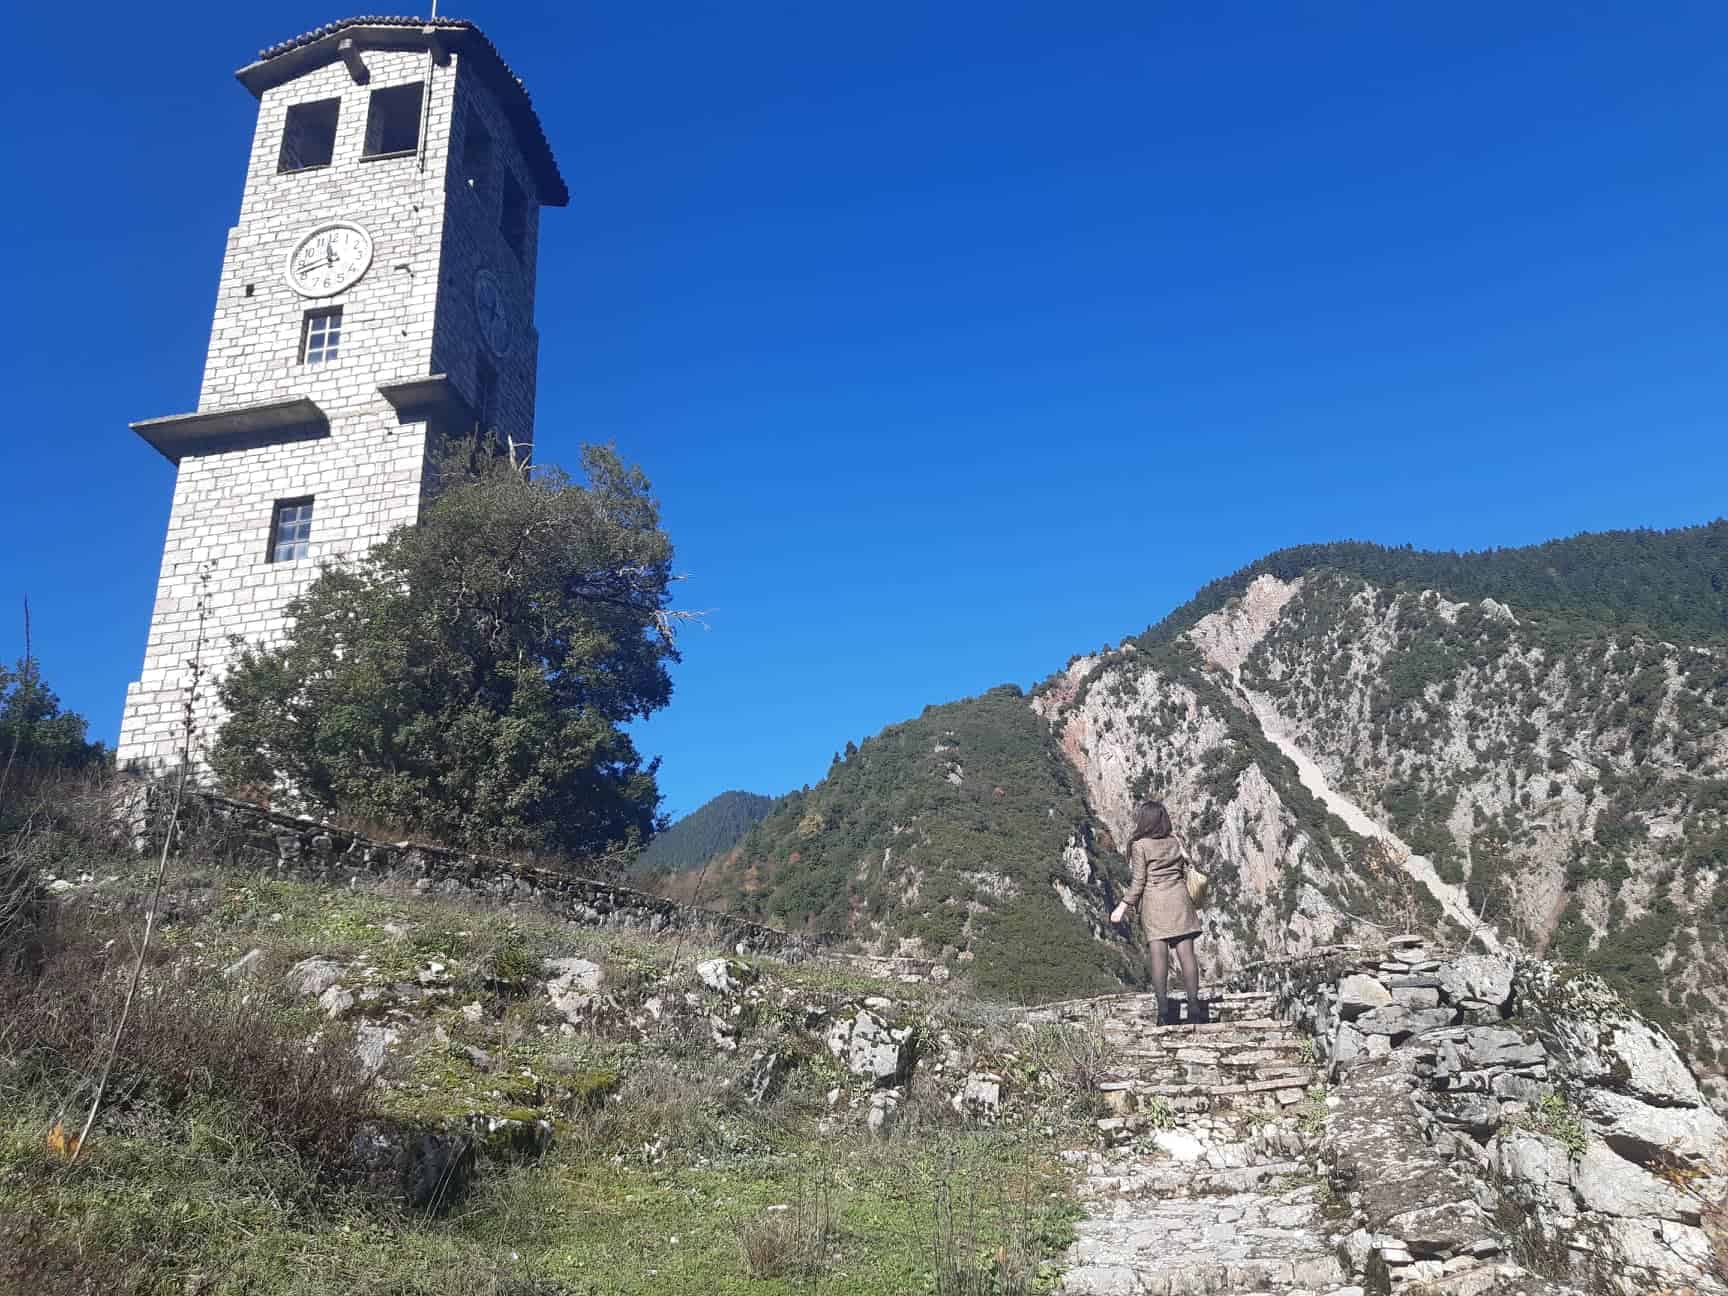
(193, 1036)
(795, 1240)
(967, 1214)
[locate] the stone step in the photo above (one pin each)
(1128, 1022)
(1251, 1033)
(1224, 1007)
(1306, 1267)
(1300, 1080)
(1180, 1042)
(1170, 1179)
(1210, 1061)
(1129, 1095)
(1205, 1075)
(1180, 1246)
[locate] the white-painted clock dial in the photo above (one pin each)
(493, 312)
(329, 259)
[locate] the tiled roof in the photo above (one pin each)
(362, 20)
(462, 36)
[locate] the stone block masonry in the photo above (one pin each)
(252, 839)
(434, 217)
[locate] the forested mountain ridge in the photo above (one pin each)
(1673, 583)
(1531, 743)
(711, 829)
(960, 835)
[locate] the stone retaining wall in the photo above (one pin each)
(1488, 1103)
(246, 836)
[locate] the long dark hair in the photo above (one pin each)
(1150, 820)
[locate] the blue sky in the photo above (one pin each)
(955, 338)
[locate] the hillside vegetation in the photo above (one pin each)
(712, 829)
(961, 834)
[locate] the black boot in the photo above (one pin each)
(1198, 1013)
(1168, 1013)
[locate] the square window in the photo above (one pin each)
(291, 530)
(309, 137)
(393, 119)
(476, 152)
(321, 336)
(513, 216)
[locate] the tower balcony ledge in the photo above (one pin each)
(241, 427)
(431, 399)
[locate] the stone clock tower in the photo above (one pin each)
(377, 295)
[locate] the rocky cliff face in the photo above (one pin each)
(1347, 758)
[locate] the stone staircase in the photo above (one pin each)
(1204, 1183)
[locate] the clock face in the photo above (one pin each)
(493, 312)
(329, 259)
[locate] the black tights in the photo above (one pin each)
(1184, 947)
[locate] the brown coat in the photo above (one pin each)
(1160, 888)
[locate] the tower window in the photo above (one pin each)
(309, 137)
(291, 530)
(513, 216)
(393, 120)
(476, 153)
(321, 336)
(486, 393)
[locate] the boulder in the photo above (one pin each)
(1484, 979)
(372, 1045)
(248, 964)
(1180, 1147)
(1395, 1021)
(1441, 1230)
(431, 1170)
(1347, 1045)
(869, 1046)
(884, 1108)
(436, 1172)
(1516, 1088)
(1532, 1161)
(578, 974)
(763, 1077)
(1600, 1041)
(1474, 1113)
(1495, 1046)
(1656, 1135)
(1605, 1181)
(981, 1095)
(725, 976)
(1360, 994)
(312, 977)
(1416, 996)
(335, 1001)
(1407, 1188)
(573, 987)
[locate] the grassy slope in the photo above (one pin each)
(647, 1191)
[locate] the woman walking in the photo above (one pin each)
(1160, 892)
